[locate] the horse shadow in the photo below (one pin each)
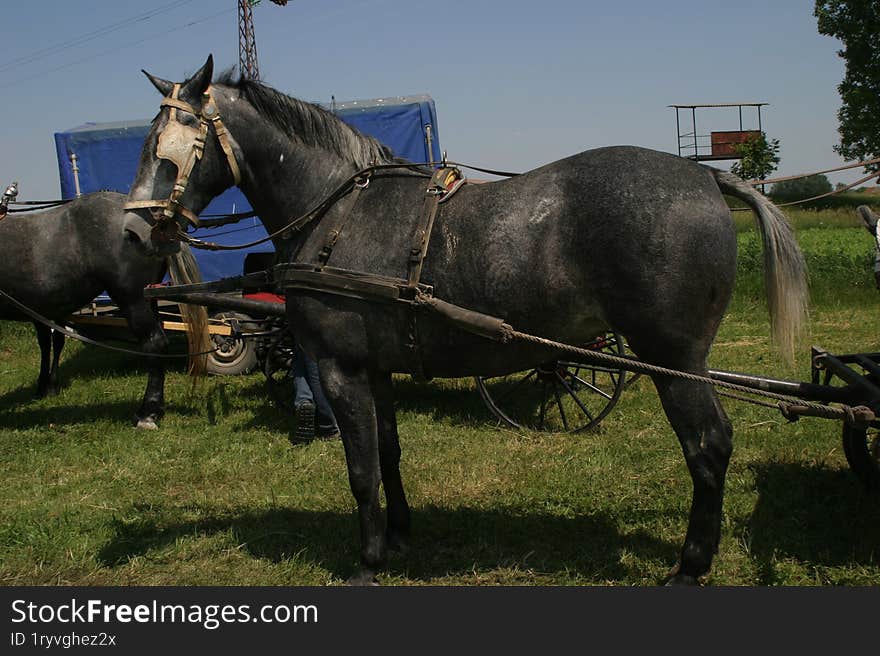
(458, 406)
(446, 542)
(89, 363)
(20, 407)
(21, 416)
(815, 514)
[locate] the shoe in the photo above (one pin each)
(305, 423)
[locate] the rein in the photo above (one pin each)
(68, 332)
(357, 181)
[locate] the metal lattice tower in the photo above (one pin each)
(247, 43)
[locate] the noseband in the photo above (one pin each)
(184, 146)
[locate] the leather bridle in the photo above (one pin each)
(183, 146)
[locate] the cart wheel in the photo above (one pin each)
(862, 451)
(560, 395)
(233, 356)
(277, 362)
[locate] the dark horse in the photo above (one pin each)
(622, 238)
(57, 260)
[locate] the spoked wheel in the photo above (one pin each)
(559, 395)
(862, 449)
(277, 361)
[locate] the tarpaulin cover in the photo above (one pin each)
(107, 156)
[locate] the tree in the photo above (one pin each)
(759, 158)
(800, 188)
(856, 23)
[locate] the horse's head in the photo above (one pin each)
(187, 159)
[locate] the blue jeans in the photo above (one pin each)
(307, 387)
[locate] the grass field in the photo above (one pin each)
(220, 496)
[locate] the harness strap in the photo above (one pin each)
(422, 237)
(434, 194)
(174, 102)
(165, 206)
(333, 235)
(226, 140)
(208, 116)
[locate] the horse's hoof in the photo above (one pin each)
(675, 577)
(147, 423)
(363, 578)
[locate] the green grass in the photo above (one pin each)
(220, 496)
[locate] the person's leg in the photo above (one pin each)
(327, 426)
(303, 400)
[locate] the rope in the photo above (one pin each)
(37, 205)
(867, 162)
(787, 405)
(805, 200)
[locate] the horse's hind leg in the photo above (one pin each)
(351, 397)
(398, 515)
(148, 330)
(47, 383)
(705, 434)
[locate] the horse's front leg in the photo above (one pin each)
(44, 339)
(148, 330)
(351, 397)
(398, 513)
(58, 339)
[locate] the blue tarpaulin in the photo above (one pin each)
(107, 156)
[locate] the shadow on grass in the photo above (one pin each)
(459, 407)
(445, 542)
(92, 362)
(813, 514)
(13, 415)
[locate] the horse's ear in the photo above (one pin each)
(201, 80)
(164, 86)
(868, 217)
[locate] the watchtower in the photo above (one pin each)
(716, 145)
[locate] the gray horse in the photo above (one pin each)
(57, 260)
(622, 238)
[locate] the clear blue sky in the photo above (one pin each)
(517, 84)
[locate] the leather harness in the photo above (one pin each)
(184, 146)
(373, 287)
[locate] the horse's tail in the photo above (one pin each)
(785, 272)
(184, 270)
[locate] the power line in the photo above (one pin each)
(122, 47)
(90, 36)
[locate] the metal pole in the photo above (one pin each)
(429, 140)
(75, 175)
(694, 117)
(678, 131)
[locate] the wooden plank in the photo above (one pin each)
(119, 322)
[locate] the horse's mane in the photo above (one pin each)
(308, 123)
